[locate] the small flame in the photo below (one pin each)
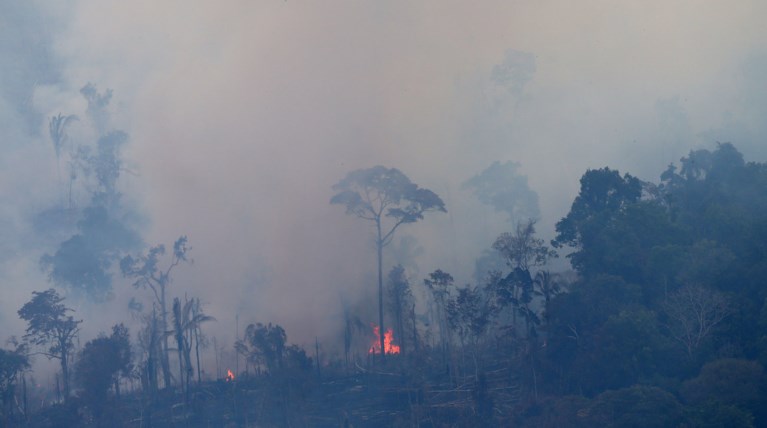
(389, 347)
(229, 375)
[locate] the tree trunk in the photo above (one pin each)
(151, 362)
(164, 358)
(197, 355)
(415, 331)
(24, 392)
(381, 330)
(180, 362)
(65, 373)
(401, 327)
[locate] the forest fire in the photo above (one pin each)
(389, 347)
(229, 376)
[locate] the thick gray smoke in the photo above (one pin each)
(241, 115)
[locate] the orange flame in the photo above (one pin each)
(229, 375)
(389, 347)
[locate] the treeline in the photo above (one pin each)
(662, 322)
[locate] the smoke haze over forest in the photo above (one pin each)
(242, 115)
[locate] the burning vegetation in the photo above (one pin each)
(389, 346)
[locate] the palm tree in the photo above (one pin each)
(186, 322)
(57, 128)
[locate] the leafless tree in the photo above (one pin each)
(146, 272)
(693, 311)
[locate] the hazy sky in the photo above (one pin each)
(243, 114)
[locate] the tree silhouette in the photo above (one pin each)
(186, 321)
(439, 284)
(12, 363)
(57, 129)
(146, 271)
(264, 344)
(49, 324)
(100, 365)
(400, 301)
(379, 194)
(693, 311)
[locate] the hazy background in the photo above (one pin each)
(243, 114)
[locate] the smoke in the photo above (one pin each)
(242, 115)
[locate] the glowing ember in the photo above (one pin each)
(229, 375)
(389, 347)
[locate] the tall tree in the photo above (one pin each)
(49, 324)
(386, 197)
(146, 272)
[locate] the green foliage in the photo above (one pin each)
(439, 284)
(628, 348)
(379, 192)
(576, 323)
(637, 406)
(49, 324)
(714, 414)
(12, 364)
(264, 344)
(569, 411)
(521, 249)
(469, 313)
(101, 362)
(730, 381)
(603, 192)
